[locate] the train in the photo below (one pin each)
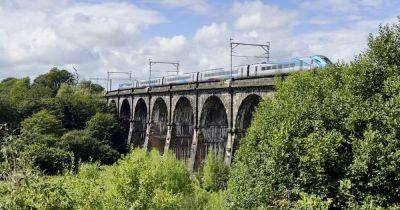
(263, 69)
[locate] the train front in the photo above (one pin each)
(320, 61)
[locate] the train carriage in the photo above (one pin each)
(242, 71)
(178, 79)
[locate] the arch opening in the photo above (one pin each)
(182, 129)
(139, 123)
(159, 125)
(213, 130)
(244, 118)
(125, 117)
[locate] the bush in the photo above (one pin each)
(42, 123)
(75, 106)
(137, 181)
(49, 160)
(105, 128)
(331, 134)
(86, 148)
(215, 172)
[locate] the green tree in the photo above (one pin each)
(86, 148)
(331, 134)
(53, 80)
(92, 87)
(42, 122)
(215, 172)
(49, 160)
(17, 100)
(106, 128)
(74, 106)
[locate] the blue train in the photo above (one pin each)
(263, 69)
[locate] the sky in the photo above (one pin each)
(95, 36)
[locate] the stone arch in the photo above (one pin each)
(159, 125)
(243, 118)
(139, 123)
(125, 117)
(213, 127)
(182, 129)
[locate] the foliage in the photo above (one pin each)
(53, 80)
(331, 135)
(87, 148)
(106, 128)
(38, 114)
(42, 122)
(93, 88)
(75, 106)
(138, 181)
(49, 160)
(215, 172)
(16, 101)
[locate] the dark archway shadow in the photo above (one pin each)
(182, 130)
(125, 117)
(213, 130)
(159, 126)
(139, 124)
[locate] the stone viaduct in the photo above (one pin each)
(189, 119)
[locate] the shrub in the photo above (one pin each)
(42, 123)
(105, 128)
(86, 148)
(49, 160)
(215, 172)
(331, 134)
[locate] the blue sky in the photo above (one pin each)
(121, 35)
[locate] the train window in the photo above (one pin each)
(285, 65)
(292, 65)
(256, 68)
(263, 68)
(268, 67)
(274, 67)
(279, 66)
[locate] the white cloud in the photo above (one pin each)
(95, 37)
(198, 6)
(256, 14)
(343, 5)
(40, 34)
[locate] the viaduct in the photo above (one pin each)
(191, 118)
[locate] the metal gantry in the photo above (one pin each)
(233, 45)
(152, 63)
(109, 73)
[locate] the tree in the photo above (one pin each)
(17, 100)
(215, 172)
(42, 122)
(49, 160)
(53, 79)
(75, 106)
(329, 136)
(93, 88)
(106, 128)
(86, 148)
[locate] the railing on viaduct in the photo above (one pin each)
(191, 119)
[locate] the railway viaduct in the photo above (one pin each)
(189, 119)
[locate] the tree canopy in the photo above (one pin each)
(330, 135)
